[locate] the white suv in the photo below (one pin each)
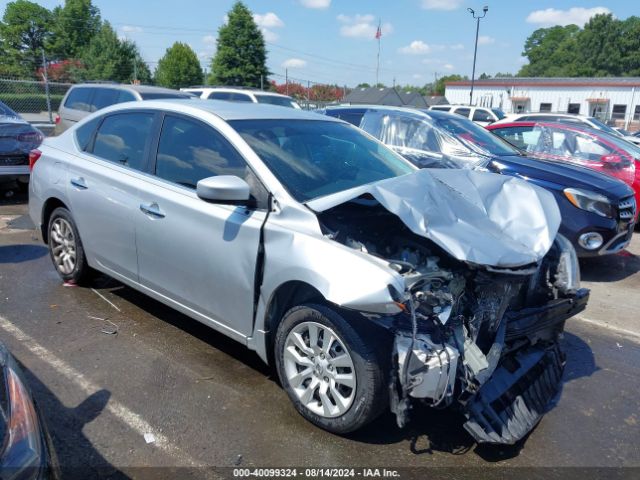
(481, 115)
(232, 94)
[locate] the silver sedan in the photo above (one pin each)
(369, 284)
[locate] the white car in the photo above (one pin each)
(590, 122)
(234, 94)
(481, 115)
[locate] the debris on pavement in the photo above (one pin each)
(108, 327)
(149, 437)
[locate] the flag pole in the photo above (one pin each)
(378, 36)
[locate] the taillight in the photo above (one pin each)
(57, 120)
(31, 137)
(34, 156)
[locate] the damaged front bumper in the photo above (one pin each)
(503, 392)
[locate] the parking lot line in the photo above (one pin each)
(635, 336)
(120, 411)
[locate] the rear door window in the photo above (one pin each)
(104, 97)
(190, 151)
(463, 111)
(220, 96)
(122, 139)
(125, 96)
(79, 99)
(241, 97)
(482, 116)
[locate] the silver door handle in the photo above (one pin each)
(152, 209)
(79, 183)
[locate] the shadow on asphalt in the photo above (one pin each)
(10, 194)
(76, 455)
(21, 253)
(194, 328)
(610, 268)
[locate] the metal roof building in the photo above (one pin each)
(608, 98)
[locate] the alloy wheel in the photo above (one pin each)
(319, 369)
(63, 246)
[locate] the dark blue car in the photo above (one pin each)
(598, 211)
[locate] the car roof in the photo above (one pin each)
(388, 108)
(228, 111)
(255, 91)
(136, 88)
(562, 126)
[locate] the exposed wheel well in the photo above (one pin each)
(49, 206)
(287, 296)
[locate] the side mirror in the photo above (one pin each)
(223, 189)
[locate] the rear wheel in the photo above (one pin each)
(331, 373)
(66, 248)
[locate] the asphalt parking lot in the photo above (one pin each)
(108, 365)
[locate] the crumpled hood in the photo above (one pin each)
(477, 217)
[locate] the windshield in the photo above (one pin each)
(6, 111)
(632, 149)
(314, 158)
(603, 126)
(274, 100)
(476, 137)
(498, 113)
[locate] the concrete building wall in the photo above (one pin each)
(598, 101)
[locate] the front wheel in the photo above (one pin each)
(330, 371)
(66, 248)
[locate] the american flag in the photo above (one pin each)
(378, 32)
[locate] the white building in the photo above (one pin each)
(608, 98)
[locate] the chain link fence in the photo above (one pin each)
(33, 100)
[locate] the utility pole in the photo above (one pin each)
(46, 86)
(475, 51)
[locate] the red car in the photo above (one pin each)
(576, 144)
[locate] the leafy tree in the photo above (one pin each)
(179, 67)
(74, 25)
(241, 56)
(363, 85)
(24, 31)
(551, 52)
(605, 46)
(440, 85)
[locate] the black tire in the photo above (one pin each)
(369, 361)
(81, 273)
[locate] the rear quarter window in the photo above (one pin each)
(84, 134)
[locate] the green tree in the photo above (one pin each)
(440, 86)
(24, 31)
(552, 52)
(599, 49)
(109, 58)
(241, 56)
(74, 25)
(179, 67)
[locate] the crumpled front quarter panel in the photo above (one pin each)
(344, 276)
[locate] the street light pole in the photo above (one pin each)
(475, 50)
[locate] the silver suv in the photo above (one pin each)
(368, 283)
(82, 100)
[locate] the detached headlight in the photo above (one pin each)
(568, 271)
(590, 201)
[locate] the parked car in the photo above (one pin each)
(589, 122)
(481, 115)
(247, 95)
(84, 99)
(17, 139)
(575, 144)
(26, 451)
(597, 211)
(323, 250)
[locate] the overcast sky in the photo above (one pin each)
(333, 40)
